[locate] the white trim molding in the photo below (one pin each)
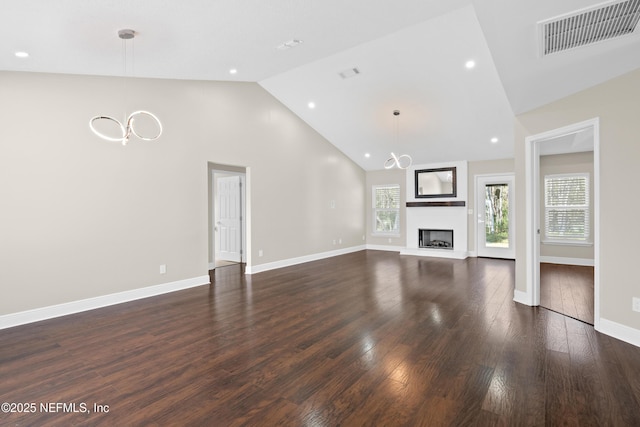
(52, 311)
(522, 297)
(299, 260)
(619, 331)
(567, 261)
(385, 248)
(532, 191)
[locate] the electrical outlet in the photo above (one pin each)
(334, 241)
(260, 252)
(635, 304)
(339, 241)
(163, 268)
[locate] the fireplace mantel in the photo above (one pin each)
(434, 204)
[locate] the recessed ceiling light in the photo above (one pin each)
(233, 71)
(22, 54)
(311, 105)
(470, 64)
(367, 155)
(494, 140)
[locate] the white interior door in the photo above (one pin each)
(229, 221)
(495, 213)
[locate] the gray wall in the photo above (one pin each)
(82, 217)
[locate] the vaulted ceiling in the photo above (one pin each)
(410, 56)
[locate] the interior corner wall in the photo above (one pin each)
(383, 177)
(483, 167)
(615, 103)
(83, 218)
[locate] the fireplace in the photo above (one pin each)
(435, 239)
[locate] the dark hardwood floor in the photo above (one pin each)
(369, 338)
(567, 289)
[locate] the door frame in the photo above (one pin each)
(217, 176)
(244, 173)
(499, 178)
(532, 175)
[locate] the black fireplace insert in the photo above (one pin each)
(435, 239)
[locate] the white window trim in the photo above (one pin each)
(374, 232)
(568, 242)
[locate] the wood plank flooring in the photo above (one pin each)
(365, 339)
(567, 289)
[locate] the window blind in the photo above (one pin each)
(567, 207)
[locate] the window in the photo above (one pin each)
(386, 209)
(566, 208)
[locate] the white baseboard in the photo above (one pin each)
(618, 331)
(522, 297)
(385, 248)
(253, 269)
(436, 253)
(44, 313)
(568, 261)
(473, 254)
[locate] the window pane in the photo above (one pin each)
(387, 197)
(386, 206)
(567, 206)
(387, 221)
(497, 215)
(566, 191)
(567, 223)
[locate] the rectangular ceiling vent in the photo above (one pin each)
(587, 26)
(352, 72)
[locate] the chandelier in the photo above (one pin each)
(127, 129)
(403, 161)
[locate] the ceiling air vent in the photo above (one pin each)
(352, 72)
(587, 26)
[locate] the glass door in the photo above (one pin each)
(495, 213)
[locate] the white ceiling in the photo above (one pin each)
(411, 54)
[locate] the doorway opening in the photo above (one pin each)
(562, 268)
(227, 216)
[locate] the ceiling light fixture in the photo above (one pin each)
(403, 161)
(494, 140)
(233, 71)
(470, 64)
(367, 155)
(22, 54)
(311, 105)
(129, 129)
